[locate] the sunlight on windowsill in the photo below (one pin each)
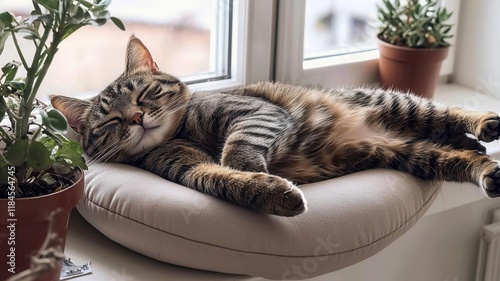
(340, 59)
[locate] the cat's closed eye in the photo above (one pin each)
(110, 121)
(148, 90)
(140, 97)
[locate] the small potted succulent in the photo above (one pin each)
(40, 169)
(412, 44)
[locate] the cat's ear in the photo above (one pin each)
(139, 58)
(73, 109)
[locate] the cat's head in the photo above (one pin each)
(139, 110)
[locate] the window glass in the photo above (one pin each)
(188, 39)
(335, 27)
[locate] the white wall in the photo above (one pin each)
(440, 247)
(477, 61)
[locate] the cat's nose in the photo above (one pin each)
(137, 118)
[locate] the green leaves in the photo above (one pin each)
(31, 145)
(38, 156)
(18, 152)
(34, 153)
(51, 5)
(62, 149)
(417, 24)
(9, 71)
(65, 151)
(44, 154)
(118, 23)
(54, 121)
(6, 20)
(84, 13)
(71, 152)
(17, 85)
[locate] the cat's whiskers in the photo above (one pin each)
(105, 156)
(107, 152)
(113, 152)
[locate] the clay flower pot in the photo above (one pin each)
(22, 236)
(410, 69)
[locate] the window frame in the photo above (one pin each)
(252, 45)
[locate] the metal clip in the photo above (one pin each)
(70, 270)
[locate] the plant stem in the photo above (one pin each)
(48, 60)
(32, 85)
(18, 48)
(20, 172)
(37, 133)
(45, 58)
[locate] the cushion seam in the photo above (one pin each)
(271, 254)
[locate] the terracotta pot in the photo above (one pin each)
(30, 227)
(410, 69)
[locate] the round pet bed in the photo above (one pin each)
(348, 219)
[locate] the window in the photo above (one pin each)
(332, 43)
(213, 44)
(338, 27)
(200, 41)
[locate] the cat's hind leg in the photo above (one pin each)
(490, 180)
(483, 126)
(486, 126)
(458, 141)
(423, 159)
(413, 117)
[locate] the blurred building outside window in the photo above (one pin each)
(188, 39)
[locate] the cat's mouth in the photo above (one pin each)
(148, 132)
(148, 135)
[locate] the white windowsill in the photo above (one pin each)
(454, 195)
(340, 59)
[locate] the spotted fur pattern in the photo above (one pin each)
(252, 145)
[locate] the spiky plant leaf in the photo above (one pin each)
(417, 24)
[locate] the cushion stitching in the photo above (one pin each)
(270, 254)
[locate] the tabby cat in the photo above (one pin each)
(252, 145)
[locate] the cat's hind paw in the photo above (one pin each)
(489, 128)
(491, 181)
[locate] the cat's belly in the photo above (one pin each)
(319, 160)
(361, 131)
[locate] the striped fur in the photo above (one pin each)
(252, 145)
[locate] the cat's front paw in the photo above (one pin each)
(489, 128)
(283, 198)
(490, 181)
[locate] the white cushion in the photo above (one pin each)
(349, 219)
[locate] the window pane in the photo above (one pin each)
(334, 27)
(188, 39)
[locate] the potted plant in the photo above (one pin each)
(412, 44)
(40, 170)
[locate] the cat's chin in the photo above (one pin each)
(148, 138)
(152, 132)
